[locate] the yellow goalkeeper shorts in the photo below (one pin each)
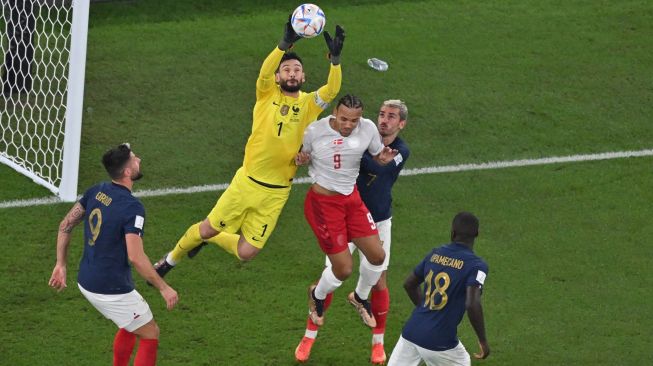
(249, 208)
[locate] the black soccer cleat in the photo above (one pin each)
(162, 267)
(315, 307)
(193, 252)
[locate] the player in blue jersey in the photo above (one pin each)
(374, 183)
(453, 278)
(113, 229)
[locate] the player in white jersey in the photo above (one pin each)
(335, 160)
(333, 207)
(374, 184)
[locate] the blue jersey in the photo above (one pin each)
(375, 181)
(111, 212)
(446, 272)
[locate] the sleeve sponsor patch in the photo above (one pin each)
(480, 277)
(398, 159)
(139, 221)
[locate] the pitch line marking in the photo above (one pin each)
(405, 172)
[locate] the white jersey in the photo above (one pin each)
(335, 160)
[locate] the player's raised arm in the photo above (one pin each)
(289, 36)
(329, 91)
(475, 315)
(141, 263)
(266, 80)
(398, 163)
(335, 44)
(386, 155)
(72, 219)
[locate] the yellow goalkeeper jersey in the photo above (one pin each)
(279, 122)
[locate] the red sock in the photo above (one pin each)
(123, 345)
(380, 306)
(327, 302)
(146, 355)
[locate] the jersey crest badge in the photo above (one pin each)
(284, 110)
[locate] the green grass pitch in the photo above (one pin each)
(568, 245)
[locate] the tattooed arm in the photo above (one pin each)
(74, 217)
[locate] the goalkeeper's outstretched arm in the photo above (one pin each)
(328, 92)
(266, 81)
(335, 44)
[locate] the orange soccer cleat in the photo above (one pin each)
(378, 354)
(303, 350)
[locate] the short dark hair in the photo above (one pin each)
(289, 56)
(465, 226)
(350, 101)
(115, 159)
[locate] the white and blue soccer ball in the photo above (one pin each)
(308, 20)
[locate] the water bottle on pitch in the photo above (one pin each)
(377, 64)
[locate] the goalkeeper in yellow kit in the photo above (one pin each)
(246, 213)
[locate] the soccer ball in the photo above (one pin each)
(308, 20)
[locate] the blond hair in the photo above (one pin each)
(399, 104)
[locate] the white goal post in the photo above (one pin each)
(43, 44)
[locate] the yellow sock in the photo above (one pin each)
(226, 241)
(190, 240)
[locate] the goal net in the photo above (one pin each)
(43, 44)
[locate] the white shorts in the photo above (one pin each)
(407, 353)
(385, 228)
(129, 311)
